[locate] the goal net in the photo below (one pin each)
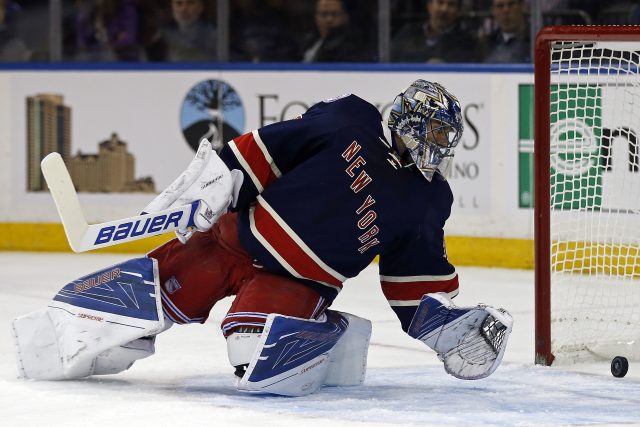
(587, 200)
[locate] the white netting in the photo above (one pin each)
(595, 200)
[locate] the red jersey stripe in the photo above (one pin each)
(255, 158)
(300, 262)
(411, 291)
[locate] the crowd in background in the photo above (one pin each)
(422, 31)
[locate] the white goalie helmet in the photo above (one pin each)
(428, 120)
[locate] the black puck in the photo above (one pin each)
(619, 366)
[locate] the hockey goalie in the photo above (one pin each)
(286, 214)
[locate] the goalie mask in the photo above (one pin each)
(428, 120)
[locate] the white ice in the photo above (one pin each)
(188, 381)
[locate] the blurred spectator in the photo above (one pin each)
(259, 33)
(592, 8)
(510, 42)
(12, 47)
(153, 17)
(634, 19)
(87, 47)
(190, 37)
(440, 39)
(334, 39)
(611, 12)
(549, 5)
(117, 29)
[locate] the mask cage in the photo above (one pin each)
(429, 127)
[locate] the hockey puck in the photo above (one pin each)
(619, 366)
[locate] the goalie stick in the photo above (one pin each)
(84, 237)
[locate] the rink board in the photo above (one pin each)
(156, 113)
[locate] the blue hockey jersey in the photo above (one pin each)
(325, 193)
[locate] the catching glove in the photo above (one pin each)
(470, 341)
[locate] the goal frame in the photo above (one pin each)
(542, 194)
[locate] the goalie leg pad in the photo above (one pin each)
(293, 356)
(470, 341)
(93, 325)
(121, 358)
(348, 359)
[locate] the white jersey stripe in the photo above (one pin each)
(266, 154)
(404, 303)
(176, 310)
(318, 306)
(267, 245)
(246, 314)
(274, 252)
(243, 162)
(404, 279)
(168, 315)
(299, 241)
(399, 303)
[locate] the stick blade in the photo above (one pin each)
(66, 199)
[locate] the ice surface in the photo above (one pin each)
(189, 382)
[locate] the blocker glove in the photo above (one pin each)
(208, 180)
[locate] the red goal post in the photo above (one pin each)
(548, 40)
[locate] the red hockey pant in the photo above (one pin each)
(213, 265)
